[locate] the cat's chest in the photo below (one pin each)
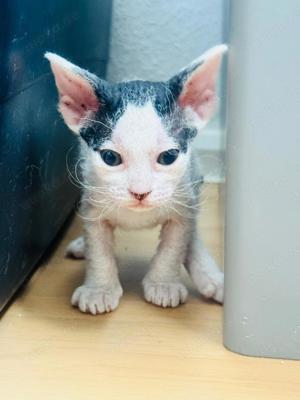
(128, 219)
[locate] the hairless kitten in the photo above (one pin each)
(138, 171)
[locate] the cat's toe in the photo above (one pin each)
(165, 294)
(75, 249)
(212, 287)
(96, 300)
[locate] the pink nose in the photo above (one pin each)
(140, 196)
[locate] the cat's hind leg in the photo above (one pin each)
(76, 248)
(204, 271)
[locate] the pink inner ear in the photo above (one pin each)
(203, 103)
(199, 91)
(77, 96)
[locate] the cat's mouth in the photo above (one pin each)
(139, 207)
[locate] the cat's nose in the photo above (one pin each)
(140, 196)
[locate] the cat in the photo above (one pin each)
(138, 171)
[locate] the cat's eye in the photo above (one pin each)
(110, 157)
(168, 157)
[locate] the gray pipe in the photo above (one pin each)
(262, 230)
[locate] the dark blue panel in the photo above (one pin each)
(36, 194)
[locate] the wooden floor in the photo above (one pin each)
(48, 350)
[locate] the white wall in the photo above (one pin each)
(153, 39)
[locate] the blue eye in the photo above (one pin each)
(111, 157)
(168, 157)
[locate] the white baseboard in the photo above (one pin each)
(209, 139)
(208, 146)
(212, 165)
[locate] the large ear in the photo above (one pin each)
(196, 85)
(77, 97)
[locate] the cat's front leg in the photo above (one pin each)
(162, 284)
(101, 290)
(204, 271)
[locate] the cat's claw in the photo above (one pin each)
(164, 294)
(96, 300)
(75, 248)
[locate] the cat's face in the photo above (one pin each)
(137, 134)
(140, 169)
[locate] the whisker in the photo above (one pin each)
(97, 122)
(195, 208)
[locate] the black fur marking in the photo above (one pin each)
(176, 83)
(185, 137)
(111, 108)
(181, 132)
(139, 92)
(114, 99)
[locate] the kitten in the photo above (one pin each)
(138, 172)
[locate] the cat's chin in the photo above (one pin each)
(140, 208)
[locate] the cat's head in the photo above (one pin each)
(138, 133)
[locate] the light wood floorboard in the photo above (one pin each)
(48, 350)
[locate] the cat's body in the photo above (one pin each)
(138, 172)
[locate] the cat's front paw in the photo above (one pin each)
(96, 300)
(164, 294)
